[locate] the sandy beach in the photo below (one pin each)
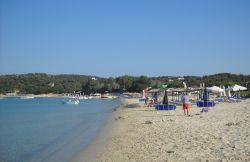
(144, 134)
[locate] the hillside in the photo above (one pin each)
(39, 83)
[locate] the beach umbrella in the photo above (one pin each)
(143, 94)
(163, 87)
(224, 91)
(215, 89)
(228, 93)
(185, 85)
(205, 95)
(236, 88)
(165, 98)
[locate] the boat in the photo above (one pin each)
(95, 95)
(90, 97)
(27, 97)
(72, 102)
(83, 97)
(107, 95)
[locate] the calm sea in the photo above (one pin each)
(44, 129)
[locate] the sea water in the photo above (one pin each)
(45, 129)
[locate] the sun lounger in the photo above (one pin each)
(205, 103)
(165, 107)
(205, 110)
(142, 99)
(230, 99)
(220, 99)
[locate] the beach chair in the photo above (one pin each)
(142, 99)
(231, 99)
(205, 105)
(220, 99)
(165, 107)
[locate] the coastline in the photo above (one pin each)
(132, 132)
(52, 95)
(143, 134)
(99, 143)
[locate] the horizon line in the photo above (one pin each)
(89, 75)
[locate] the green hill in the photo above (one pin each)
(39, 83)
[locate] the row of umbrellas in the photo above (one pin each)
(213, 89)
(234, 88)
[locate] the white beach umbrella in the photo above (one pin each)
(215, 89)
(236, 88)
(224, 91)
(143, 94)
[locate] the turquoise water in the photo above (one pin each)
(44, 129)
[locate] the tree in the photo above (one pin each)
(92, 86)
(125, 82)
(38, 83)
(141, 83)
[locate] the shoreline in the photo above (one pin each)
(52, 96)
(98, 145)
(36, 96)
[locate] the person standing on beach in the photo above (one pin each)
(185, 101)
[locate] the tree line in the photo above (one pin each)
(39, 83)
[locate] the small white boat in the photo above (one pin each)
(83, 97)
(72, 102)
(27, 97)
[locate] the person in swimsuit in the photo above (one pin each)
(185, 101)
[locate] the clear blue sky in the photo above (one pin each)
(134, 37)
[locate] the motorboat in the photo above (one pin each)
(27, 97)
(83, 97)
(72, 102)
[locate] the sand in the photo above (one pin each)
(144, 134)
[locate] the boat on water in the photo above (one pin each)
(95, 95)
(83, 98)
(72, 102)
(107, 96)
(27, 97)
